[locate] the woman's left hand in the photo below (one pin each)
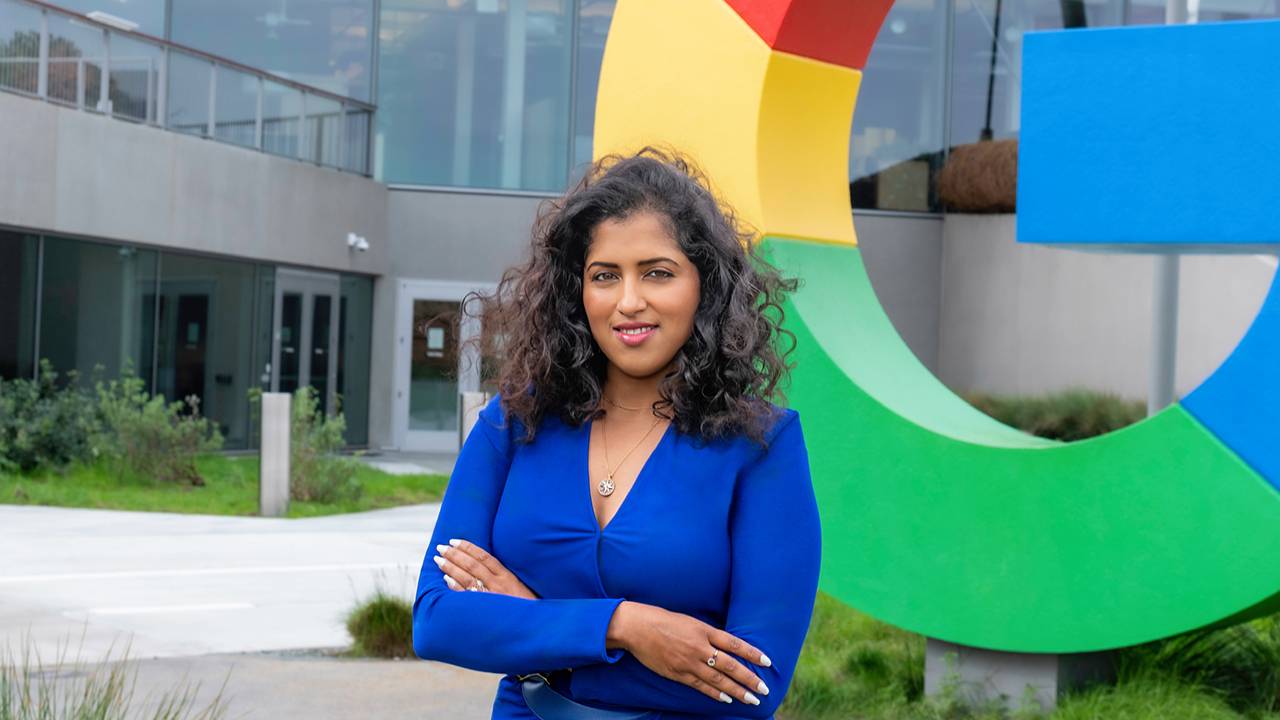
(464, 562)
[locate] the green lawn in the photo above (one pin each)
(231, 488)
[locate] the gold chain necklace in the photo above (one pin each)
(605, 486)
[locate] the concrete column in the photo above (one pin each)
(472, 403)
(273, 468)
(1016, 680)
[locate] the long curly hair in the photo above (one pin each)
(726, 375)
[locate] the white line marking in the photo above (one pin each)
(127, 574)
(168, 609)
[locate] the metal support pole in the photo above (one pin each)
(1164, 298)
(104, 79)
(302, 128)
(42, 69)
(162, 90)
(257, 118)
(213, 99)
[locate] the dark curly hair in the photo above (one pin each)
(727, 373)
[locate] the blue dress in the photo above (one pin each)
(723, 531)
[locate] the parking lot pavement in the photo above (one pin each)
(181, 585)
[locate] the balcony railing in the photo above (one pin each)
(73, 60)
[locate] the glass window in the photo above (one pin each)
(358, 125)
(323, 134)
(97, 307)
(19, 46)
(18, 267)
(594, 17)
(207, 313)
(148, 14)
(281, 119)
(474, 93)
(322, 43)
(433, 366)
(135, 78)
(897, 139)
(236, 108)
(188, 97)
(1151, 12)
(76, 52)
(355, 318)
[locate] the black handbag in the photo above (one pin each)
(548, 704)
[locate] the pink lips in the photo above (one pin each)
(634, 339)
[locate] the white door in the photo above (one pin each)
(437, 359)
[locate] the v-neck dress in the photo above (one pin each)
(724, 531)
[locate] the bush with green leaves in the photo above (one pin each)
(149, 437)
(45, 424)
(382, 626)
(317, 472)
(1069, 415)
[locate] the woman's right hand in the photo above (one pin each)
(676, 646)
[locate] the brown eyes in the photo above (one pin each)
(607, 275)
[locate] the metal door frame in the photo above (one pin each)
(407, 291)
(308, 284)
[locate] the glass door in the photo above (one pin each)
(304, 341)
(434, 363)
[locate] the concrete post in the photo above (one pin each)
(472, 404)
(273, 468)
(1013, 680)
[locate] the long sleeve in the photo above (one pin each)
(776, 555)
(492, 632)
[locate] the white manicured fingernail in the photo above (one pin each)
(455, 542)
(453, 584)
(439, 560)
(764, 660)
(725, 698)
(764, 689)
(752, 699)
(441, 548)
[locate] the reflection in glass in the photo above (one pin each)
(236, 109)
(986, 75)
(355, 318)
(18, 267)
(326, 44)
(203, 348)
(148, 14)
(135, 78)
(281, 119)
(76, 52)
(290, 340)
(19, 47)
(323, 132)
(474, 93)
(1151, 12)
(96, 307)
(358, 124)
(433, 374)
(594, 17)
(897, 138)
(321, 321)
(188, 93)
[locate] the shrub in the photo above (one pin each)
(382, 627)
(103, 690)
(45, 424)
(150, 437)
(1069, 415)
(317, 473)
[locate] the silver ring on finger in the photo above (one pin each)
(477, 585)
(712, 660)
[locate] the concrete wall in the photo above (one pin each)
(1028, 319)
(79, 174)
(903, 256)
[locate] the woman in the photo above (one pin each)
(639, 366)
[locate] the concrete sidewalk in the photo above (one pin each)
(180, 585)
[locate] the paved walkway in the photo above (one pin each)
(198, 595)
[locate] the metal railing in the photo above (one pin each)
(73, 60)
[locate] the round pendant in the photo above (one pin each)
(605, 487)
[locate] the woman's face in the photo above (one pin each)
(640, 293)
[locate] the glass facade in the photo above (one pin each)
(187, 325)
(19, 47)
(327, 44)
(475, 93)
(433, 364)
